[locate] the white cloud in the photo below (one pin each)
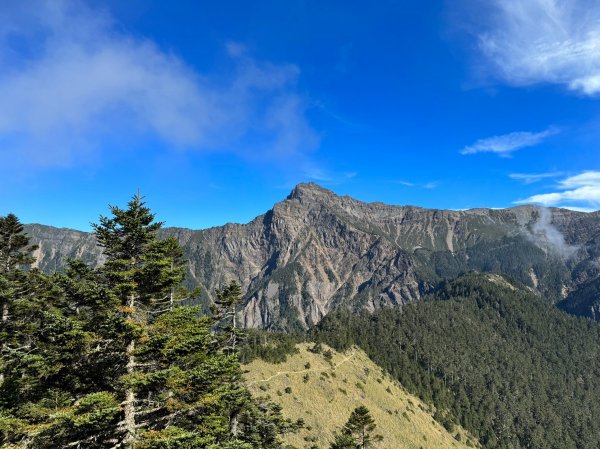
(544, 41)
(70, 78)
(580, 209)
(530, 178)
(579, 192)
(505, 144)
(584, 179)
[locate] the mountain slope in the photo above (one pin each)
(316, 251)
(324, 392)
(508, 366)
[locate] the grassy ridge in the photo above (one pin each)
(323, 391)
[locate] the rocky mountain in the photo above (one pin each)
(316, 251)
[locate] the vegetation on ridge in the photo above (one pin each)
(322, 387)
(503, 363)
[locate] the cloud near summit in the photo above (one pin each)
(579, 192)
(70, 80)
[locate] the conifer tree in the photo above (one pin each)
(15, 250)
(225, 312)
(141, 271)
(358, 429)
(59, 362)
(15, 253)
(343, 441)
(183, 385)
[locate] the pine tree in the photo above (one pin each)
(142, 272)
(225, 312)
(15, 250)
(360, 428)
(15, 253)
(65, 352)
(182, 386)
(343, 441)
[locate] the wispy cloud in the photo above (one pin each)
(544, 41)
(579, 192)
(506, 144)
(426, 185)
(530, 178)
(70, 78)
(327, 177)
(310, 172)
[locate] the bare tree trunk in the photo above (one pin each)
(233, 425)
(129, 410)
(172, 293)
(8, 248)
(129, 404)
(4, 320)
(233, 336)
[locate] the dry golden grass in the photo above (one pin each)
(325, 394)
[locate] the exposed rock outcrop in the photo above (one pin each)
(315, 251)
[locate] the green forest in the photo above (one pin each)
(500, 361)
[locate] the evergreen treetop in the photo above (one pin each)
(126, 235)
(15, 250)
(357, 433)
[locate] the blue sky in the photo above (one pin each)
(215, 110)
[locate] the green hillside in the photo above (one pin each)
(324, 390)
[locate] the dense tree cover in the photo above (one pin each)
(500, 361)
(585, 301)
(272, 347)
(108, 359)
(514, 256)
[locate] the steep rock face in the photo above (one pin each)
(315, 251)
(56, 245)
(301, 259)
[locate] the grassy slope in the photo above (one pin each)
(334, 389)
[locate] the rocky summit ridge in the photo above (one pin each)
(315, 251)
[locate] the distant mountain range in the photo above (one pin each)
(317, 251)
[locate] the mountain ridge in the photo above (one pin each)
(316, 251)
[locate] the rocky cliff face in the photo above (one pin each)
(315, 251)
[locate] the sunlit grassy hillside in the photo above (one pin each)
(324, 392)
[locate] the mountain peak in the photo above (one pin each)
(310, 190)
